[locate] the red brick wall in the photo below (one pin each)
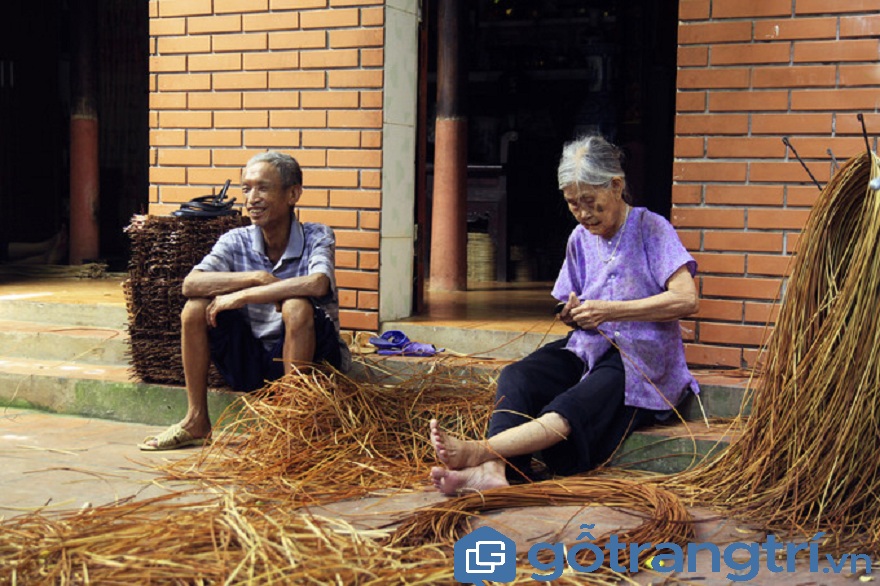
(232, 78)
(751, 72)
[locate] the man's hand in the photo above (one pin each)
(220, 303)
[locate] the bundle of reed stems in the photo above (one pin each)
(216, 540)
(664, 517)
(223, 539)
(320, 436)
(806, 459)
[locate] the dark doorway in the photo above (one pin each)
(540, 74)
(35, 119)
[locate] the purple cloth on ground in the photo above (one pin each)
(412, 349)
(390, 340)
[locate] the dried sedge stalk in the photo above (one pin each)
(805, 459)
(664, 517)
(324, 437)
(215, 540)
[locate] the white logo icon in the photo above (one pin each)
(484, 562)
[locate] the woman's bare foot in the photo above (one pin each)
(458, 454)
(473, 479)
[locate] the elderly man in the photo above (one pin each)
(261, 302)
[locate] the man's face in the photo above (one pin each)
(268, 203)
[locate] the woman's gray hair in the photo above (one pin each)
(288, 168)
(589, 160)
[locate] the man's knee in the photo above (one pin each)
(193, 313)
(298, 314)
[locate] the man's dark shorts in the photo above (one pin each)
(247, 365)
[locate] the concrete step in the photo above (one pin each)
(477, 340)
(673, 447)
(64, 342)
(721, 396)
(107, 391)
(110, 392)
(44, 308)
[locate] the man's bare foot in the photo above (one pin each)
(455, 453)
(474, 479)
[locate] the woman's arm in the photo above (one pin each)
(678, 301)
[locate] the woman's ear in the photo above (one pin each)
(618, 184)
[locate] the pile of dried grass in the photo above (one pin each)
(219, 540)
(805, 460)
(307, 439)
(322, 437)
(301, 440)
(163, 251)
(664, 517)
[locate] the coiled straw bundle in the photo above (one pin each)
(807, 456)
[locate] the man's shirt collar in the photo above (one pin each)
(295, 244)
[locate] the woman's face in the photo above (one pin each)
(598, 208)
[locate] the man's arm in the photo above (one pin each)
(210, 283)
(314, 285)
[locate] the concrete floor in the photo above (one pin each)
(54, 463)
(58, 462)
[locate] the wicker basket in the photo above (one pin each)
(164, 250)
(480, 257)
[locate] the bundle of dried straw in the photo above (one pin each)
(806, 457)
(304, 439)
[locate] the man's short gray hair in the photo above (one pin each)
(589, 160)
(288, 168)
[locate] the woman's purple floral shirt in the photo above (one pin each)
(643, 254)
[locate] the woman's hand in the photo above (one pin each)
(591, 313)
(565, 313)
(678, 301)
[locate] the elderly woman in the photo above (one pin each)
(625, 282)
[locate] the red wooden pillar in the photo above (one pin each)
(449, 207)
(84, 170)
(421, 245)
